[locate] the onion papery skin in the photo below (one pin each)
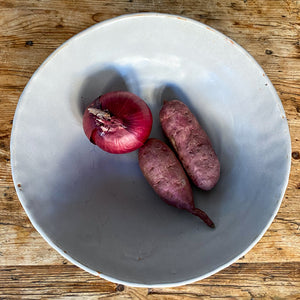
(118, 122)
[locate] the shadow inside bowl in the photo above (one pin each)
(101, 80)
(223, 143)
(110, 219)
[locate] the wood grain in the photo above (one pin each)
(240, 281)
(31, 30)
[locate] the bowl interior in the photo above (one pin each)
(96, 208)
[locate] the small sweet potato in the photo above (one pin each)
(191, 143)
(165, 174)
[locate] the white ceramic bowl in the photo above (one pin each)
(95, 208)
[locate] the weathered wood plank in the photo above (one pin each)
(240, 281)
(51, 282)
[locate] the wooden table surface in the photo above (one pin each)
(32, 30)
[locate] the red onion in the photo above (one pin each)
(118, 122)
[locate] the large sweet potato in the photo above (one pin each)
(165, 174)
(191, 143)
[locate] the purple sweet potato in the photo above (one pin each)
(165, 174)
(191, 143)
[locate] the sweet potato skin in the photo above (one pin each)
(165, 174)
(191, 143)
